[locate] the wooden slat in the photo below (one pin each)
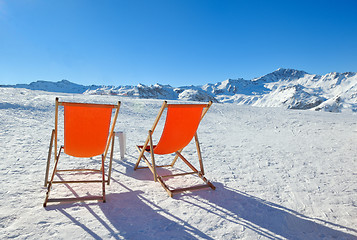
(173, 105)
(78, 181)
(79, 170)
(97, 105)
(179, 174)
(78, 199)
(168, 165)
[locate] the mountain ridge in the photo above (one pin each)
(288, 88)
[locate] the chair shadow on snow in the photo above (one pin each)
(130, 215)
(263, 217)
(267, 219)
(136, 217)
(133, 216)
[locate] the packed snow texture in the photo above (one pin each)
(280, 174)
(287, 88)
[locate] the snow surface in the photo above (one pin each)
(280, 174)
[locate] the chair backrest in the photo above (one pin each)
(182, 121)
(86, 128)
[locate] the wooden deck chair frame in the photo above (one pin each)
(57, 153)
(150, 147)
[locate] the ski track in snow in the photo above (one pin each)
(280, 174)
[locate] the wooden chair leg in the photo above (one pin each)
(142, 151)
(52, 177)
(49, 158)
(152, 156)
(176, 157)
(187, 162)
(111, 161)
(103, 179)
(199, 154)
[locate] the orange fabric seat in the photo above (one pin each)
(181, 124)
(86, 130)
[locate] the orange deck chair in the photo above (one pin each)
(180, 128)
(87, 133)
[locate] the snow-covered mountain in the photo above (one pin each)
(60, 86)
(156, 91)
(288, 88)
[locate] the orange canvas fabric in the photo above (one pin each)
(181, 124)
(86, 130)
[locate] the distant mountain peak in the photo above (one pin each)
(281, 74)
(64, 81)
(285, 87)
(288, 71)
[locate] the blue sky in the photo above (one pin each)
(176, 42)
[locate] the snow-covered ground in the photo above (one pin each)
(280, 174)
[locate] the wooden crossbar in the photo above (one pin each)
(160, 166)
(79, 170)
(188, 105)
(79, 181)
(98, 105)
(77, 199)
(179, 174)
